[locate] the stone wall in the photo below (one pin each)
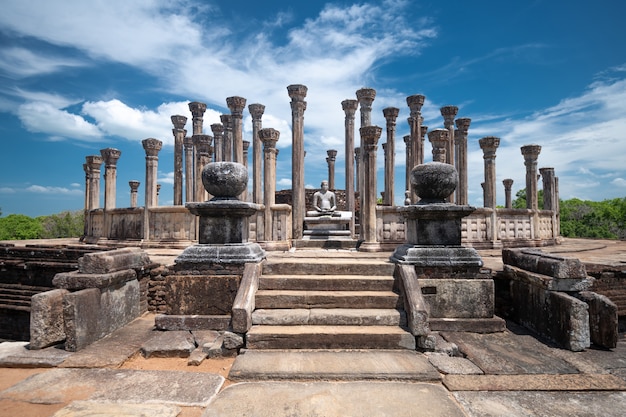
(611, 282)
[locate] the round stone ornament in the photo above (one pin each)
(225, 180)
(434, 182)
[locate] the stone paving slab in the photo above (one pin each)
(191, 389)
(571, 382)
(169, 344)
(333, 365)
(509, 353)
(453, 365)
(545, 404)
(93, 409)
(333, 399)
(17, 355)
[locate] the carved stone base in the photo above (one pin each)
(437, 256)
(233, 253)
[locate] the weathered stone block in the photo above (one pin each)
(546, 282)
(191, 322)
(458, 298)
(80, 281)
(173, 344)
(114, 260)
(543, 263)
(603, 321)
(201, 294)
(46, 319)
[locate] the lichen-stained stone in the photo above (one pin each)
(46, 319)
(201, 294)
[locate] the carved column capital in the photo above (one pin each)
(152, 146)
(94, 162)
(197, 108)
(332, 154)
(256, 111)
(489, 144)
(508, 183)
(366, 96)
(269, 137)
(349, 107)
(297, 92)
(531, 153)
(179, 122)
(407, 139)
(188, 142)
(134, 185)
(203, 143)
(463, 125)
(370, 135)
(415, 103)
(449, 113)
(391, 113)
(110, 156)
(439, 139)
(236, 105)
(217, 129)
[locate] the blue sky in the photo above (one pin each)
(77, 76)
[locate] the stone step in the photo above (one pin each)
(360, 266)
(329, 337)
(272, 299)
(326, 282)
(330, 316)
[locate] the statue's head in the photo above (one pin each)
(324, 185)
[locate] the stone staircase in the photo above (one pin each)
(312, 304)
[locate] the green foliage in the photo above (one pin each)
(65, 224)
(520, 199)
(594, 219)
(19, 227)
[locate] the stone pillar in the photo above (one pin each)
(489, 144)
(189, 169)
(256, 111)
(391, 114)
(197, 110)
(236, 106)
(439, 140)
(369, 137)
(460, 144)
(358, 158)
(531, 153)
(547, 175)
(152, 147)
(245, 145)
(203, 157)
(269, 137)
(332, 157)
(420, 145)
(365, 97)
(297, 93)
(449, 113)
(134, 186)
(385, 156)
(227, 151)
(218, 144)
(179, 133)
(415, 103)
(409, 159)
(349, 107)
(86, 206)
(508, 186)
(94, 162)
(110, 157)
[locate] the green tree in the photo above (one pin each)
(520, 199)
(594, 219)
(65, 224)
(19, 227)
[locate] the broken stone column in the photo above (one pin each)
(179, 133)
(349, 107)
(297, 93)
(218, 142)
(203, 157)
(439, 140)
(508, 185)
(236, 106)
(547, 174)
(269, 137)
(256, 111)
(152, 147)
(531, 153)
(365, 97)
(227, 151)
(94, 162)
(134, 185)
(460, 143)
(391, 114)
(369, 137)
(189, 169)
(489, 144)
(110, 157)
(330, 160)
(197, 110)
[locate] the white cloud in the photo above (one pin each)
(619, 182)
(22, 62)
(166, 178)
(40, 189)
(284, 182)
(7, 190)
(42, 117)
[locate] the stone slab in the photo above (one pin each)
(453, 365)
(547, 282)
(201, 294)
(170, 344)
(535, 260)
(603, 320)
(458, 298)
(93, 408)
(114, 349)
(79, 281)
(339, 365)
(46, 319)
(114, 260)
(190, 389)
(538, 403)
(191, 322)
(333, 399)
(508, 353)
(18, 355)
(540, 382)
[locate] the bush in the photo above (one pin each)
(20, 227)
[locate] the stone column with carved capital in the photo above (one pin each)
(297, 93)
(460, 144)
(179, 133)
(269, 137)
(202, 144)
(236, 105)
(152, 147)
(110, 157)
(358, 158)
(197, 110)
(489, 144)
(407, 179)
(365, 97)
(508, 186)
(391, 114)
(94, 163)
(439, 140)
(256, 111)
(415, 103)
(547, 175)
(134, 186)
(330, 160)
(227, 142)
(531, 153)
(349, 107)
(189, 169)
(449, 113)
(218, 141)
(369, 136)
